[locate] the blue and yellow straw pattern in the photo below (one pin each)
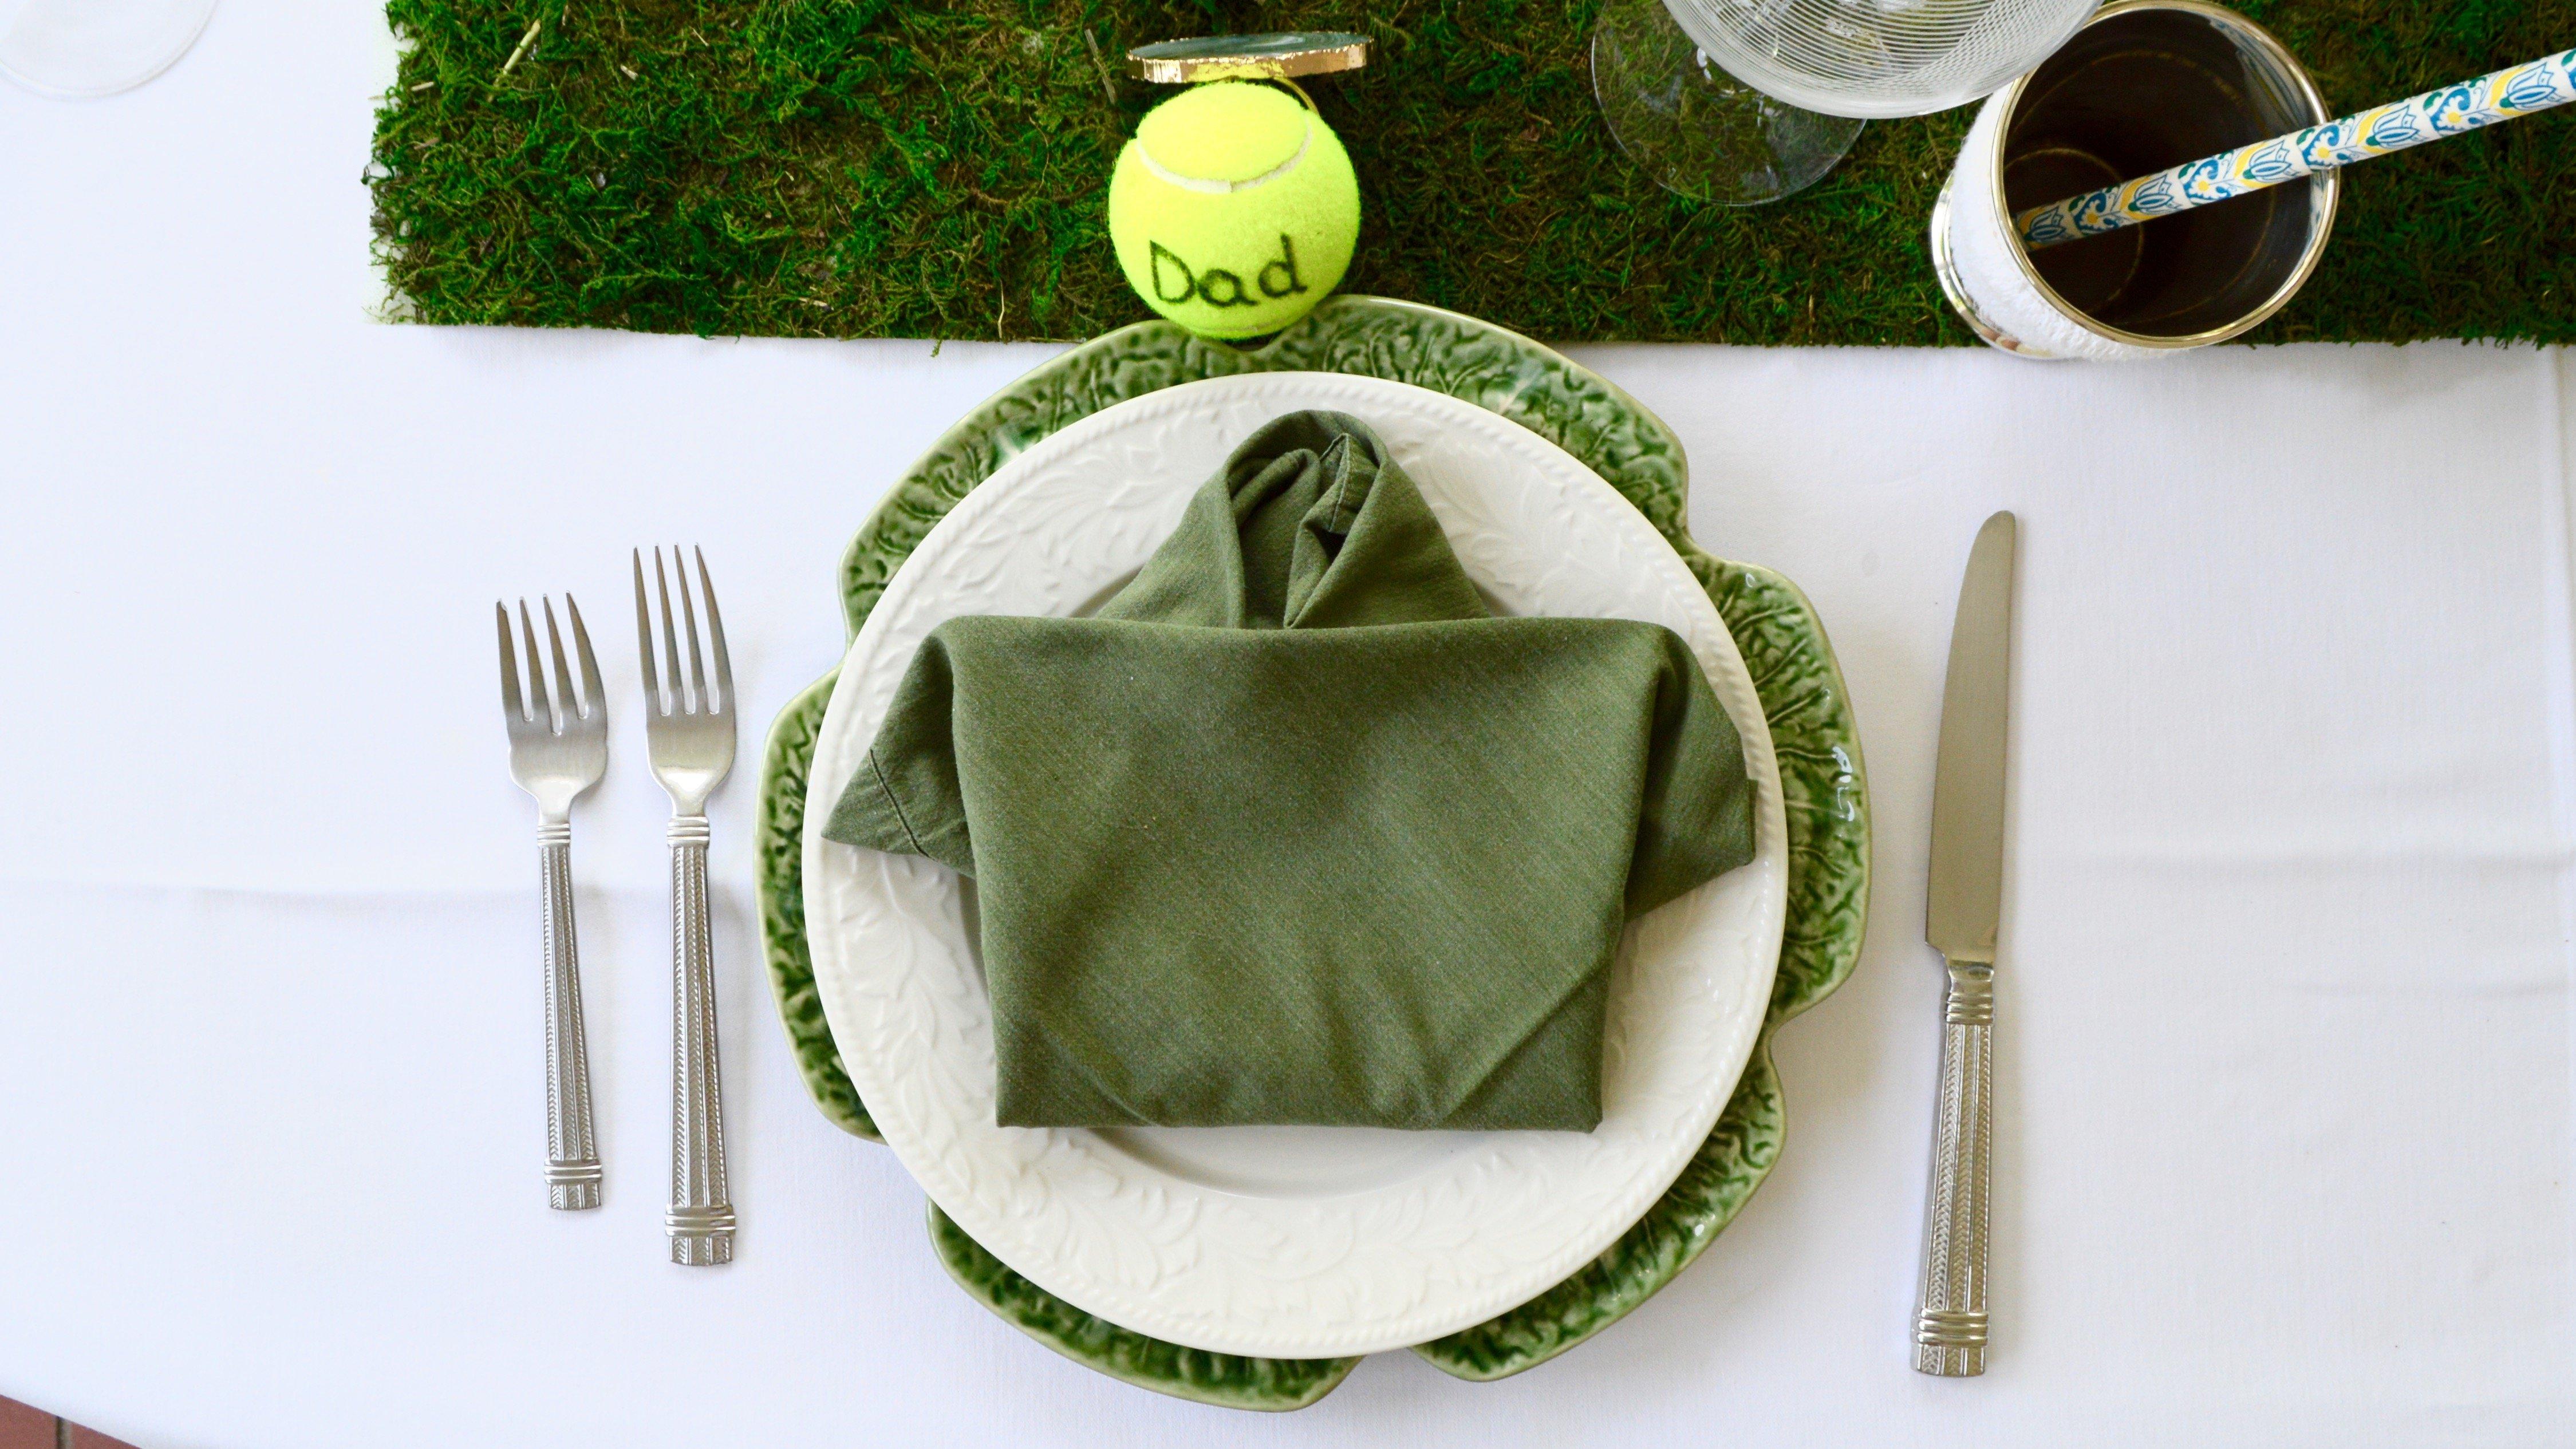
(2432, 116)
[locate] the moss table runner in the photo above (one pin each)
(937, 168)
(1294, 830)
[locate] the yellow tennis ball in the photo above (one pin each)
(1234, 209)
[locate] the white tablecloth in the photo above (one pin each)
(2286, 1088)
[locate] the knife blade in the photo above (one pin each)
(1963, 909)
(1967, 885)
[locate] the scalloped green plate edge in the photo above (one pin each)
(1784, 646)
(1229, 1380)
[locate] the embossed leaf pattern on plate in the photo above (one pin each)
(1775, 629)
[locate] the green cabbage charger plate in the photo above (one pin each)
(1776, 629)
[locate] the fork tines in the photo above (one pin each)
(694, 698)
(537, 708)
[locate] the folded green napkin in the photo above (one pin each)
(1293, 830)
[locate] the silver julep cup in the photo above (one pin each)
(2144, 85)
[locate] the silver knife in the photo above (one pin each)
(1967, 896)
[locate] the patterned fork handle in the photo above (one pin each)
(572, 1149)
(701, 1217)
(1950, 1328)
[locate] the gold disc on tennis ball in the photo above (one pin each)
(1234, 210)
(1280, 55)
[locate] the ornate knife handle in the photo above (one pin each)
(572, 1150)
(701, 1216)
(1950, 1328)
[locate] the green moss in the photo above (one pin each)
(852, 168)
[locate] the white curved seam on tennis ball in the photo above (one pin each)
(1215, 187)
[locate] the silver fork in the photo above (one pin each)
(690, 731)
(556, 753)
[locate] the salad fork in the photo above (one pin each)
(556, 753)
(690, 731)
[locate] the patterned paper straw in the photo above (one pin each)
(2431, 116)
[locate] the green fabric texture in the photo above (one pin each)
(1294, 830)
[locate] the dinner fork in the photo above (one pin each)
(689, 729)
(556, 753)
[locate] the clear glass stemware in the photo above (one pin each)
(1696, 129)
(83, 48)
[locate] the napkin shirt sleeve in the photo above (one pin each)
(1695, 807)
(906, 798)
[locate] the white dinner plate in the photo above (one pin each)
(1287, 1242)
